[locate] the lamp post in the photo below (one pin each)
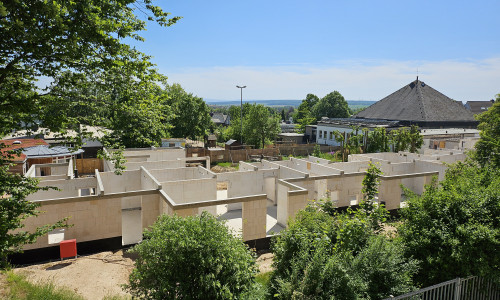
(241, 111)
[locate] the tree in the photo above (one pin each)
(454, 229)
(48, 39)
(488, 147)
(354, 140)
(332, 105)
(325, 255)
(371, 182)
(304, 115)
(191, 258)
(260, 126)
(78, 45)
(191, 114)
(400, 139)
(416, 139)
(340, 137)
(378, 140)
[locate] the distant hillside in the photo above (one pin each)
(294, 103)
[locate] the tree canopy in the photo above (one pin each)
(48, 39)
(260, 126)
(488, 147)
(93, 78)
(332, 105)
(191, 116)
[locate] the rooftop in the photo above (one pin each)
(358, 122)
(417, 102)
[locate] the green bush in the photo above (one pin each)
(338, 256)
(191, 258)
(454, 229)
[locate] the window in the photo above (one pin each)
(331, 135)
(320, 134)
(61, 159)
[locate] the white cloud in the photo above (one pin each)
(365, 80)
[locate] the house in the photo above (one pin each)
(327, 126)
(173, 143)
(288, 128)
(477, 107)
(20, 165)
(419, 104)
(311, 133)
(37, 151)
(221, 119)
(211, 141)
(291, 137)
(90, 140)
(233, 145)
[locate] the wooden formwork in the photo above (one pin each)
(88, 165)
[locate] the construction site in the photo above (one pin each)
(257, 200)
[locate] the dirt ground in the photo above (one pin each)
(98, 275)
(92, 276)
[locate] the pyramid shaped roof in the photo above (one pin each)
(417, 102)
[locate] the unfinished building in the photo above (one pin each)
(258, 199)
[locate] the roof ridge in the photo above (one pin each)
(420, 97)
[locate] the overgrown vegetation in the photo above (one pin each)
(454, 229)
(328, 255)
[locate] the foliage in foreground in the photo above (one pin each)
(191, 258)
(454, 229)
(338, 256)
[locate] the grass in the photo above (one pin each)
(228, 165)
(263, 278)
(18, 288)
(260, 288)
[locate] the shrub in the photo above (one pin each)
(338, 256)
(454, 229)
(191, 258)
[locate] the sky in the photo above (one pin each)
(364, 49)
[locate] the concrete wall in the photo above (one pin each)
(67, 188)
(291, 199)
(180, 174)
(194, 190)
(128, 181)
(158, 154)
(245, 183)
(92, 220)
(165, 164)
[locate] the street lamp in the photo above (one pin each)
(241, 111)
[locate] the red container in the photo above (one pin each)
(68, 248)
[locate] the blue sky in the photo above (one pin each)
(364, 49)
